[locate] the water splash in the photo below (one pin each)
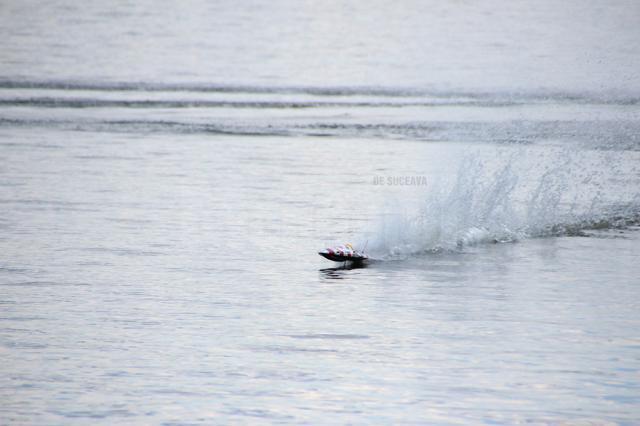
(513, 195)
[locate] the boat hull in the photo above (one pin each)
(342, 257)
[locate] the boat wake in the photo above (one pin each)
(532, 193)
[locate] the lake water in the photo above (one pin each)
(168, 174)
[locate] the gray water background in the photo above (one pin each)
(167, 174)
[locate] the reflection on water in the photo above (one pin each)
(337, 272)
